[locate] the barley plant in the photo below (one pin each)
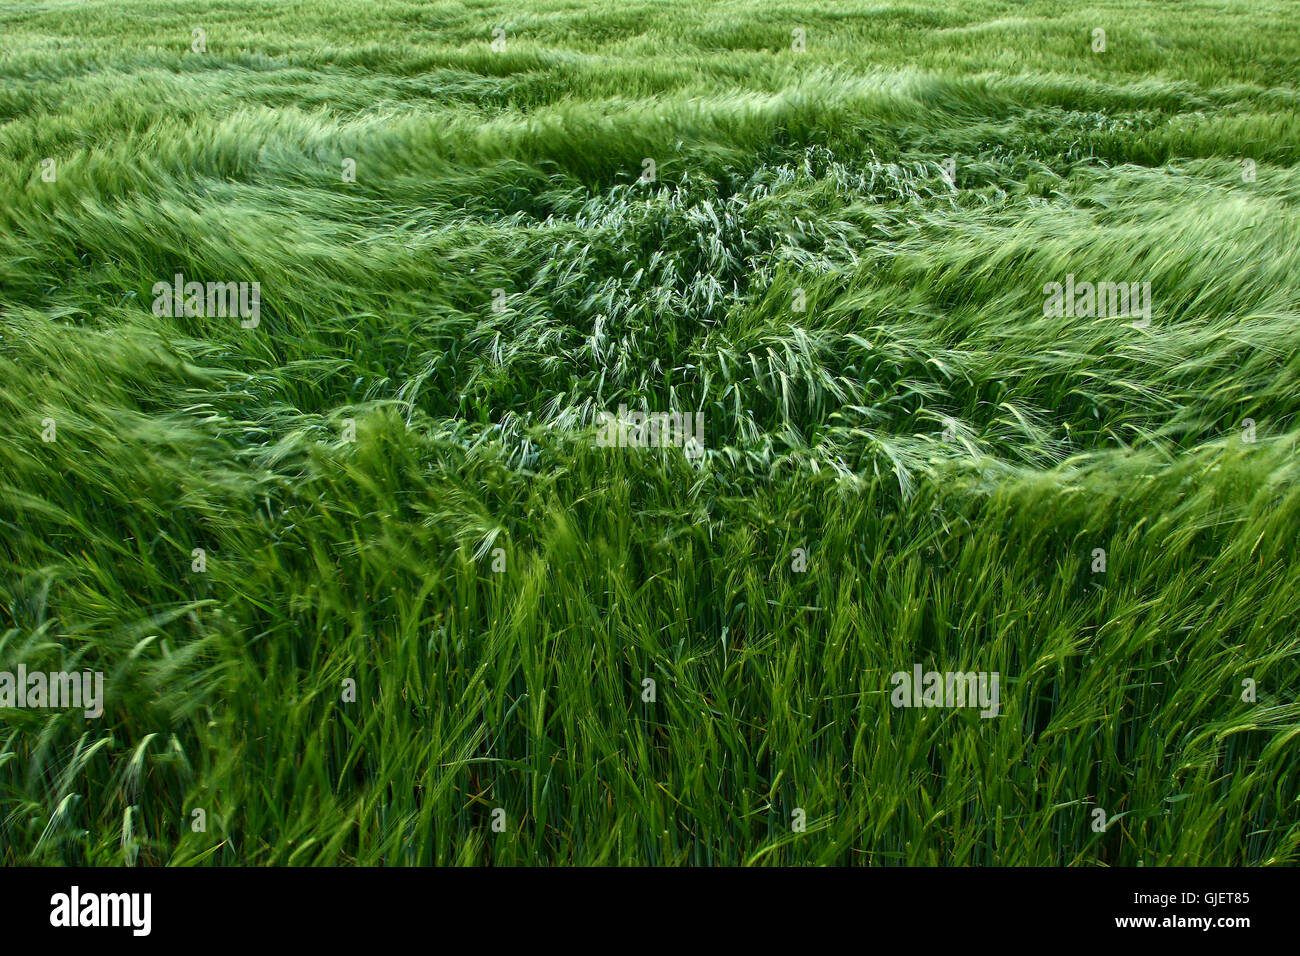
(312, 315)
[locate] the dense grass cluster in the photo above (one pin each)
(499, 586)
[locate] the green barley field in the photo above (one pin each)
(969, 336)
